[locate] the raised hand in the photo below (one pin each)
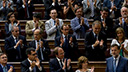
(104, 24)
(11, 69)
(32, 64)
(120, 20)
(68, 63)
(41, 44)
(38, 46)
(88, 3)
(64, 66)
(57, 22)
(36, 24)
(37, 62)
(62, 41)
(18, 22)
(92, 69)
(70, 40)
(96, 43)
(29, 2)
(101, 43)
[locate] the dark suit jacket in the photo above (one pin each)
(96, 54)
(73, 50)
(125, 27)
(109, 29)
(45, 51)
(21, 11)
(8, 67)
(11, 52)
(121, 67)
(55, 66)
(25, 66)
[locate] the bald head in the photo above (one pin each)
(124, 12)
(37, 34)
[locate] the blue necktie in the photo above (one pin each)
(34, 69)
(5, 69)
(114, 65)
(18, 49)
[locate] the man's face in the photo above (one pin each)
(12, 18)
(3, 59)
(104, 14)
(60, 53)
(115, 51)
(53, 14)
(79, 12)
(124, 12)
(65, 30)
(16, 31)
(37, 35)
(96, 28)
(32, 56)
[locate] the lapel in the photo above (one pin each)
(34, 44)
(12, 40)
(57, 63)
(76, 21)
(119, 63)
(111, 63)
(1, 70)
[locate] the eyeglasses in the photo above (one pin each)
(62, 53)
(34, 54)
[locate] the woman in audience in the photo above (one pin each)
(121, 41)
(83, 65)
(11, 21)
(69, 7)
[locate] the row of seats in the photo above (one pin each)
(99, 65)
(81, 46)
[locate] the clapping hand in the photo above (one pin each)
(11, 69)
(101, 43)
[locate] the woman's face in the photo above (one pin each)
(12, 18)
(120, 34)
(85, 65)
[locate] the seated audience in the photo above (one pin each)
(24, 9)
(40, 45)
(95, 43)
(60, 64)
(121, 41)
(34, 24)
(4, 67)
(91, 8)
(116, 63)
(11, 21)
(32, 63)
(52, 4)
(79, 24)
(68, 42)
(83, 65)
(53, 25)
(123, 21)
(106, 22)
(15, 45)
(114, 7)
(6, 6)
(68, 9)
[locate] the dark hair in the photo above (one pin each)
(116, 46)
(105, 9)
(63, 26)
(77, 9)
(2, 54)
(28, 51)
(52, 9)
(9, 15)
(37, 15)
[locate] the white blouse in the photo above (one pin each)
(114, 41)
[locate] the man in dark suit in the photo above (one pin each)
(25, 9)
(60, 64)
(68, 43)
(15, 45)
(123, 21)
(106, 22)
(41, 46)
(32, 63)
(116, 63)
(95, 43)
(4, 67)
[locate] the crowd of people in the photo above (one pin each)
(110, 20)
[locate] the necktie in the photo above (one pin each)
(18, 50)
(66, 47)
(79, 20)
(61, 63)
(34, 69)
(114, 65)
(4, 69)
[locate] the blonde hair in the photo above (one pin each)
(81, 60)
(122, 30)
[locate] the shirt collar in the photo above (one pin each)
(117, 57)
(3, 66)
(64, 35)
(14, 37)
(29, 60)
(58, 59)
